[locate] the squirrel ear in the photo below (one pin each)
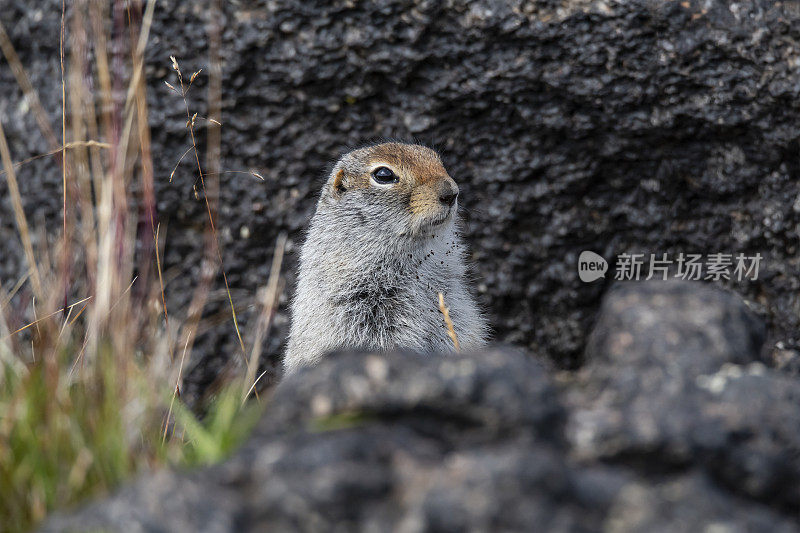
(338, 186)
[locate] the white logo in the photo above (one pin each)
(591, 266)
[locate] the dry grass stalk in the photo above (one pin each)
(142, 121)
(38, 320)
(449, 323)
(176, 391)
(57, 151)
(27, 87)
(268, 302)
(212, 225)
(65, 233)
(161, 282)
(19, 213)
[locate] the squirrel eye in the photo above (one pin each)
(384, 175)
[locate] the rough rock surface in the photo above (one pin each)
(673, 381)
(673, 324)
(657, 435)
(635, 126)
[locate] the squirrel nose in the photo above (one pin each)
(448, 193)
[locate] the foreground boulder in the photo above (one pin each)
(673, 381)
(381, 442)
(673, 425)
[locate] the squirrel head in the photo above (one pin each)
(394, 188)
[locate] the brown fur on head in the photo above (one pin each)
(421, 182)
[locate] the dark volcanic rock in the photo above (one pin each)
(689, 503)
(636, 126)
(499, 392)
(162, 502)
(373, 442)
(658, 436)
(673, 324)
(672, 382)
(742, 425)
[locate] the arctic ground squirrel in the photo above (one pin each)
(381, 246)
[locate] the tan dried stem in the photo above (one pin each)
(268, 302)
(19, 214)
(451, 331)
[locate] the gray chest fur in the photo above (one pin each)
(392, 299)
(379, 295)
(393, 302)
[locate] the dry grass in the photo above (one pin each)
(451, 331)
(89, 375)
